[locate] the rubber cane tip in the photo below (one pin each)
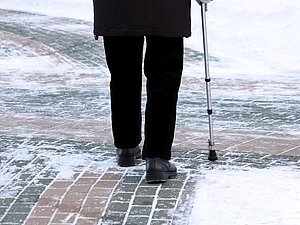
(212, 155)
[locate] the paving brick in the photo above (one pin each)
(27, 199)
(170, 193)
(9, 223)
(112, 176)
(63, 218)
(140, 210)
(132, 220)
(85, 180)
(146, 191)
(91, 174)
(61, 184)
(34, 190)
(173, 184)
(37, 221)
(79, 189)
(6, 201)
(127, 188)
(131, 179)
(95, 202)
(99, 193)
(165, 204)
(59, 223)
(106, 184)
(122, 197)
(2, 210)
(146, 201)
(165, 214)
(26, 177)
(51, 202)
(69, 208)
(14, 218)
(44, 181)
(20, 208)
(43, 211)
(54, 193)
(87, 221)
(161, 222)
(91, 212)
(119, 207)
(111, 217)
(72, 202)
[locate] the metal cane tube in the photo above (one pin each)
(212, 153)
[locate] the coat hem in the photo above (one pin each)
(142, 33)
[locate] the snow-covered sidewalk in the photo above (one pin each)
(57, 158)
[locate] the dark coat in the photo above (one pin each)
(169, 18)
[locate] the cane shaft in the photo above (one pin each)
(212, 155)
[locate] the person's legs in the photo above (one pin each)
(124, 57)
(163, 67)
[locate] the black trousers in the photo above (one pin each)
(163, 64)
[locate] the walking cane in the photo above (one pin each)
(212, 156)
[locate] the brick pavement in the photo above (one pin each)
(57, 161)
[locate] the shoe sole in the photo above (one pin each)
(159, 177)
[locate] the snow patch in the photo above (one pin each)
(253, 196)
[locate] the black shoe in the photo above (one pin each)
(128, 156)
(159, 170)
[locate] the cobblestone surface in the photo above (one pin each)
(57, 161)
(38, 190)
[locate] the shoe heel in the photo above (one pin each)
(126, 161)
(157, 177)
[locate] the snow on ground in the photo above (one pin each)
(79, 9)
(252, 38)
(250, 196)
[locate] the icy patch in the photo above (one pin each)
(37, 64)
(69, 164)
(38, 71)
(253, 196)
(5, 177)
